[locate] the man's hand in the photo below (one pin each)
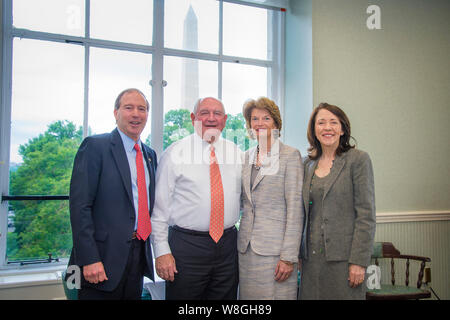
(165, 267)
(94, 273)
(356, 275)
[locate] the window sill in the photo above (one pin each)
(26, 276)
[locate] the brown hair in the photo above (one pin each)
(315, 149)
(119, 97)
(262, 103)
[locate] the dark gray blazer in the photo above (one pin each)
(348, 208)
(102, 212)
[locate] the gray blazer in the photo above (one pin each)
(272, 218)
(348, 208)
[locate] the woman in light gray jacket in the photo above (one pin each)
(271, 225)
(339, 202)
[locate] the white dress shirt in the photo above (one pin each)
(183, 194)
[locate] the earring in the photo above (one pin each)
(251, 133)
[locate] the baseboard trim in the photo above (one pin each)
(412, 216)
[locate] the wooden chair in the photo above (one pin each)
(393, 291)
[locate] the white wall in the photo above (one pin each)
(299, 74)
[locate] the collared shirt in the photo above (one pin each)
(128, 144)
(269, 163)
(183, 191)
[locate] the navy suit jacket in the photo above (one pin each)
(102, 212)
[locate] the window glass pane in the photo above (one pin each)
(245, 31)
(187, 81)
(47, 86)
(126, 21)
(111, 72)
(54, 16)
(192, 25)
(47, 113)
(37, 228)
(240, 83)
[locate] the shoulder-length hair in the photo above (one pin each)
(315, 149)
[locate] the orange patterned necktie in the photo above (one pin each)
(144, 227)
(217, 202)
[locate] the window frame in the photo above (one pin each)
(275, 66)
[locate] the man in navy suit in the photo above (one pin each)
(112, 252)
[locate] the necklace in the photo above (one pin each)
(255, 160)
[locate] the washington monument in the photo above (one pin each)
(189, 80)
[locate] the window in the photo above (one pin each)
(245, 31)
(125, 21)
(192, 25)
(55, 16)
(111, 71)
(63, 68)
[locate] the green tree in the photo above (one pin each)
(235, 130)
(178, 124)
(44, 226)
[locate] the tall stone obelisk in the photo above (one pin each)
(189, 81)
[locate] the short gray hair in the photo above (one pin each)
(199, 101)
(119, 97)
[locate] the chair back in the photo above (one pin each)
(386, 250)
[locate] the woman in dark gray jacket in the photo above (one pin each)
(339, 203)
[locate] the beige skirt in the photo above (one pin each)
(257, 278)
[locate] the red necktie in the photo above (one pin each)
(144, 227)
(217, 202)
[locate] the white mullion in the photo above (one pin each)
(86, 68)
(5, 122)
(271, 40)
(116, 45)
(252, 4)
(220, 62)
(40, 35)
(247, 61)
(107, 44)
(157, 108)
(86, 92)
(216, 57)
(190, 54)
(280, 44)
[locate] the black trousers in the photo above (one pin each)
(131, 284)
(206, 270)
